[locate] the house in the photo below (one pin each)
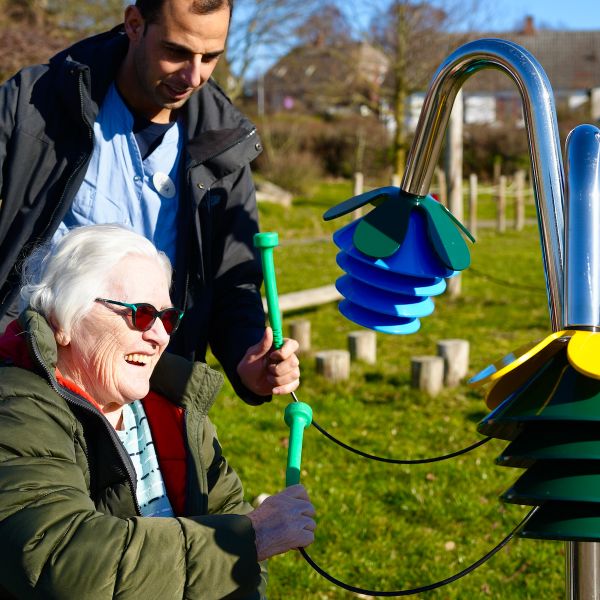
(571, 60)
(327, 78)
(350, 76)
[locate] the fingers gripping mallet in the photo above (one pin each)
(298, 415)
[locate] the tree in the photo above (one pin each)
(34, 30)
(415, 37)
(262, 31)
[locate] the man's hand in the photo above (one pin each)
(265, 371)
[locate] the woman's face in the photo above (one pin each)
(105, 355)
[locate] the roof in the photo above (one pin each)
(329, 70)
(571, 59)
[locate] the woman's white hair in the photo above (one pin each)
(62, 280)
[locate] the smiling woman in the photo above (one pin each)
(101, 430)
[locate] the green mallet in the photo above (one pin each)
(265, 242)
(298, 415)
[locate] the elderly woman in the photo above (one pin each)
(112, 480)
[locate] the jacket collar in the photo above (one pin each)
(96, 61)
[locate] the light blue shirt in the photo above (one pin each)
(120, 187)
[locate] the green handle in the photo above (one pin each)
(265, 242)
(298, 416)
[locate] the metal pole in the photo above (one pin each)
(542, 130)
(581, 308)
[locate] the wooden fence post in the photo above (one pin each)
(300, 331)
(442, 185)
(333, 364)
(519, 200)
(427, 373)
(501, 204)
(359, 183)
(473, 204)
(456, 360)
(363, 346)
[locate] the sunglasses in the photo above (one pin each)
(143, 315)
(381, 232)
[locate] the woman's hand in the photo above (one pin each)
(265, 371)
(283, 521)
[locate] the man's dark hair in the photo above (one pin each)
(150, 9)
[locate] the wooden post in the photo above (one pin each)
(363, 346)
(454, 175)
(359, 182)
(300, 331)
(454, 158)
(427, 373)
(501, 204)
(333, 364)
(442, 185)
(473, 204)
(519, 200)
(456, 360)
(454, 286)
(497, 169)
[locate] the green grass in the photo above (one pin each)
(384, 526)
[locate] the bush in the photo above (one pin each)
(310, 146)
(296, 171)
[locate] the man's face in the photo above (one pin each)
(171, 59)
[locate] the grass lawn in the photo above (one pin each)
(382, 526)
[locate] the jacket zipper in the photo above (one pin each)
(81, 403)
(232, 145)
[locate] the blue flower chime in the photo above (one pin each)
(396, 257)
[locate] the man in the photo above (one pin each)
(128, 127)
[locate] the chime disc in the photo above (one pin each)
(567, 521)
(556, 392)
(556, 480)
(521, 372)
(414, 257)
(380, 301)
(391, 282)
(546, 440)
(584, 352)
(378, 321)
(512, 360)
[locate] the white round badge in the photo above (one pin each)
(163, 184)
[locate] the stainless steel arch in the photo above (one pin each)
(542, 132)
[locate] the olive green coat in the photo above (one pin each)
(69, 521)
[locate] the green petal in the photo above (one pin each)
(380, 232)
(355, 202)
(444, 235)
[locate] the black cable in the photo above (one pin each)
(396, 461)
(424, 588)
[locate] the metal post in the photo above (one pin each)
(542, 129)
(583, 572)
(581, 305)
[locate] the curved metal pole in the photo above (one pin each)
(542, 132)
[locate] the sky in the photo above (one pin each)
(563, 14)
